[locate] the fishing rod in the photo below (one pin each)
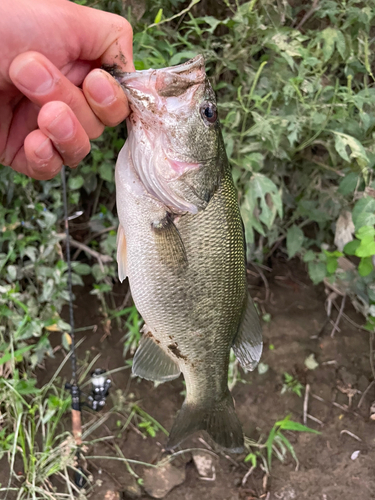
(100, 384)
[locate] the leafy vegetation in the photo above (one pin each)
(297, 106)
(276, 444)
(291, 384)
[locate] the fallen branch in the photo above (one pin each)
(309, 13)
(344, 431)
(102, 259)
(364, 394)
(305, 403)
(336, 325)
(246, 476)
(314, 419)
(347, 410)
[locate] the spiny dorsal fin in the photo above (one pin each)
(121, 254)
(152, 362)
(248, 345)
(170, 246)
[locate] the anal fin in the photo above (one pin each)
(152, 362)
(168, 240)
(121, 254)
(248, 345)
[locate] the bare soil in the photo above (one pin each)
(326, 470)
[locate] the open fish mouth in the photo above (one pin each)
(147, 85)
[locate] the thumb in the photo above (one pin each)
(104, 37)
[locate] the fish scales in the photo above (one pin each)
(186, 266)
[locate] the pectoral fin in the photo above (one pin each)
(152, 362)
(248, 345)
(169, 243)
(121, 254)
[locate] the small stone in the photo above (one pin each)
(355, 455)
(311, 363)
(204, 464)
(132, 491)
(161, 480)
(112, 495)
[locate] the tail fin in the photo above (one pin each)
(220, 421)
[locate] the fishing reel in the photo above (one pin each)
(99, 392)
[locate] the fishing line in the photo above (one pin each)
(100, 384)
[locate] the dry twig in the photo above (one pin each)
(246, 476)
(261, 274)
(305, 403)
(309, 13)
(344, 431)
(336, 325)
(365, 393)
(102, 259)
(314, 419)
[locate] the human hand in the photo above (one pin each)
(49, 49)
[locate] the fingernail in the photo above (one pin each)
(62, 127)
(45, 150)
(100, 89)
(33, 76)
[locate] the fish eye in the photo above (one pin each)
(209, 112)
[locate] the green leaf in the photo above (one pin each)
(76, 182)
(365, 231)
(356, 150)
(317, 271)
(106, 172)
(261, 204)
(289, 446)
(15, 355)
(348, 183)
(332, 264)
(290, 425)
(351, 247)
(365, 266)
(367, 248)
(269, 444)
(364, 212)
(158, 16)
(251, 457)
(294, 240)
(309, 256)
(180, 56)
(82, 269)
(329, 36)
(333, 37)
(340, 43)
(12, 272)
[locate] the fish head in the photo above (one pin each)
(177, 147)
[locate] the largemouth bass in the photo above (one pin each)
(181, 244)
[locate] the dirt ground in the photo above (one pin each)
(326, 468)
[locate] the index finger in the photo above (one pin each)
(105, 37)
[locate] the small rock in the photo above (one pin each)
(311, 363)
(132, 491)
(112, 495)
(204, 464)
(355, 455)
(159, 481)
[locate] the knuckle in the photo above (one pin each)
(124, 26)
